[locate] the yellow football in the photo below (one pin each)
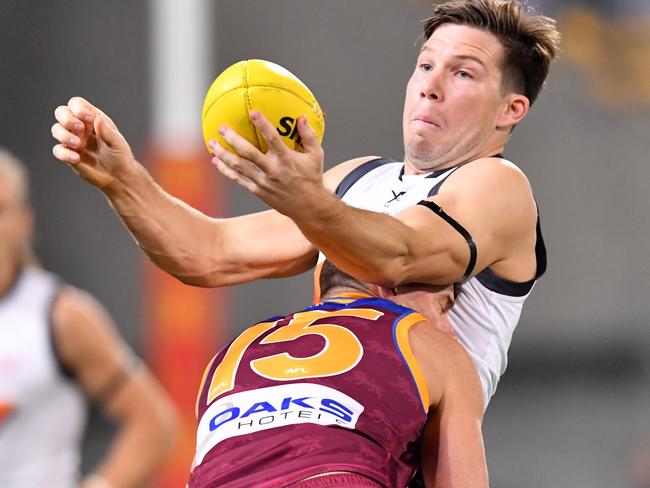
(260, 85)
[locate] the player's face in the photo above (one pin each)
(14, 222)
(454, 98)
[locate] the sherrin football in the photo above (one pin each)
(260, 85)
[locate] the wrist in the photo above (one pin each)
(124, 181)
(321, 208)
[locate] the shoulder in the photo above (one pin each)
(79, 324)
(490, 187)
(448, 351)
(461, 382)
(490, 174)
(335, 175)
(73, 307)
(446, 364)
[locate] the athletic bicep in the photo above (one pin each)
(436, 252)
(491, 206)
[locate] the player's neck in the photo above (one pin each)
(413, 167)
(345, 291)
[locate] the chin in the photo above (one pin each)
(421, 158)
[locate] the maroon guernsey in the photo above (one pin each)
(334, 387)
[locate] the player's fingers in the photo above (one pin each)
(269, 133)
(64, 136)
(64, 154)
(83, 109)
(240, 165)
(233, 175)
(68, 120)
(106, 131)
(242, 146)
(309, 138)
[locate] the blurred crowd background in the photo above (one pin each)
(573, 409)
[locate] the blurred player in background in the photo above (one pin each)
(59, 348)
(354, 391)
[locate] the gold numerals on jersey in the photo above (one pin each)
(223, 379)
(341, 353)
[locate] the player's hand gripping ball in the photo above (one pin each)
(264, 86)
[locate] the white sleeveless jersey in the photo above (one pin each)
(487, 310)
(42, 412)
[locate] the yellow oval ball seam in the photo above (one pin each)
(311, 104)
(249, 106)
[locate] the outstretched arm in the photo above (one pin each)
(196, 249)
(100, 362)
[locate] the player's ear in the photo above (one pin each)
(514, 109)
(450, 295)
(384, 292)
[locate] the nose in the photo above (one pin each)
(431, 87)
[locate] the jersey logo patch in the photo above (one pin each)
(252, 411)
(395, 197)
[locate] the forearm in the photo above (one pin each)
(376, 247)
(176, 237)
(353, 239)
(204, 251)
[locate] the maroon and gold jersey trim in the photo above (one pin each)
(401, 330)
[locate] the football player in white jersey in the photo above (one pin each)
(481, 66)
(59, 347)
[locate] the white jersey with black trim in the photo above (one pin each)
(42, 411)
(487, 310)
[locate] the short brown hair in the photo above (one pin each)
(530, 41)
(331, 277)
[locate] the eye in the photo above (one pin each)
(426, 67)
(463, 74)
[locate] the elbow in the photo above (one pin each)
(389, 273)
(158, 417)
(200, 281)
(203, 275)
(211, 273)
(167, 426)
(188, 269)
(170, 429)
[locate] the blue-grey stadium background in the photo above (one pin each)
(573, 408)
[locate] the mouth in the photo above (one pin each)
(426, 121)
